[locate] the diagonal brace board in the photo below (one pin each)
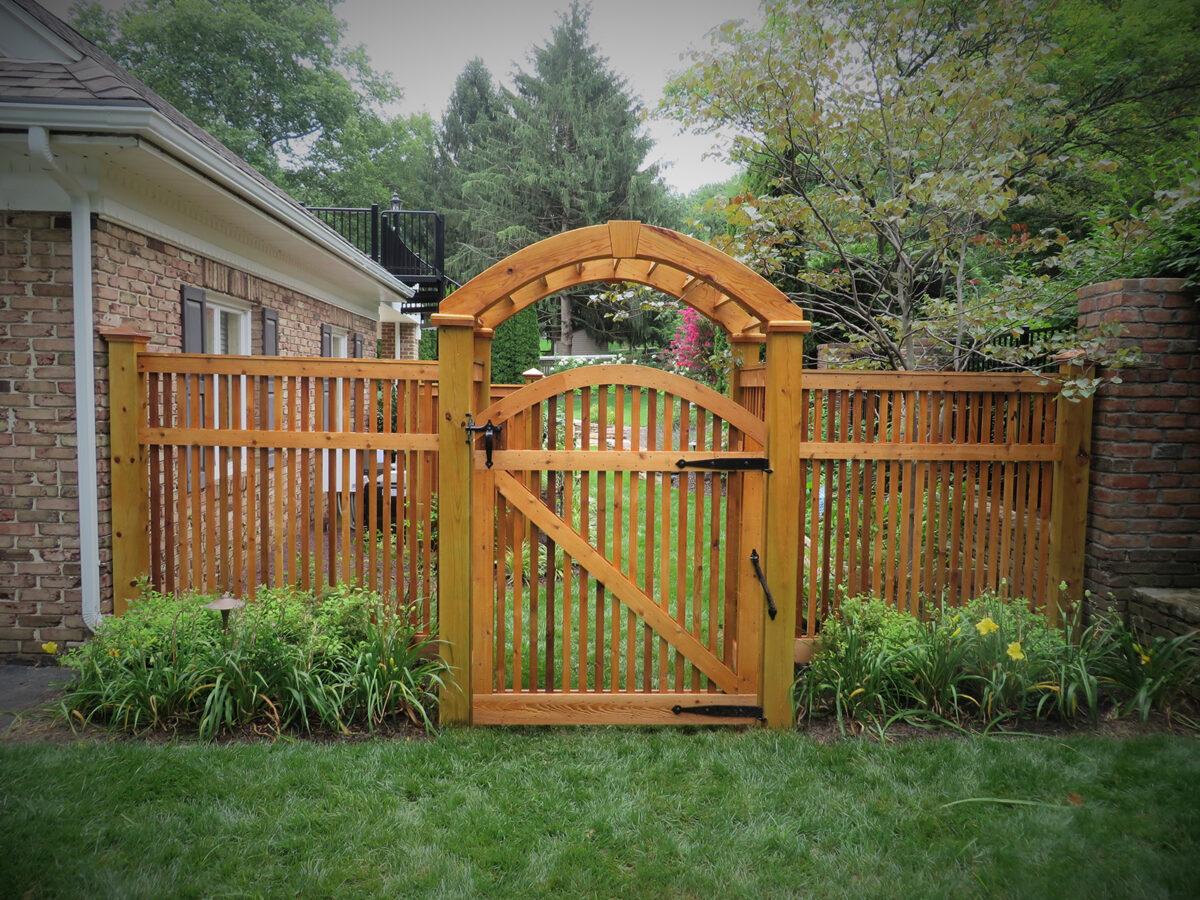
(614, 580)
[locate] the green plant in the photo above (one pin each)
(990, 662)
(1150, 673)
(289, 661)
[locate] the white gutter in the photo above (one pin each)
(85, 372)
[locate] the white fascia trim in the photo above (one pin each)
(158, 129)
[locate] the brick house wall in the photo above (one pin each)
(1144, 499)
(137, 280)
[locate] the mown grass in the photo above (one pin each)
(604, 813)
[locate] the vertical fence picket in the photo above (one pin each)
(568, 515)
(668, 593)
(585, 529)
(602, 480)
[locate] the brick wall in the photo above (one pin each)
(39, 530)
(392, 332)
(1144, 501)
(407, 338)
(137, 280)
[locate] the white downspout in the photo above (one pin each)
(85, 373)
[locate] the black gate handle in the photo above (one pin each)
(489, 435)
(762, 579)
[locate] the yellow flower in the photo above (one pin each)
(50, 647)
(1014, 651)
(986, 625)
(114, 652)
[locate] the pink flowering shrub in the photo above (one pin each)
(691, 349)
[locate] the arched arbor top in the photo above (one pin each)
(738, 299)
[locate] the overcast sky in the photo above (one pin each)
(426, 43)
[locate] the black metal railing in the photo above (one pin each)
(410, 244)
(1027, 337)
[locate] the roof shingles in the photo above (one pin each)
(97, 79)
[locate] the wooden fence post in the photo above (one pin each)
(129, 478)
(1068, 504)
(457, 395)
(784, 493)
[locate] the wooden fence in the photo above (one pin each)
(923, 488)
(928, 488)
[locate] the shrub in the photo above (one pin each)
(991, 661)
(288, 661)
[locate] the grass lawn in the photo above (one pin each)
(604, 813)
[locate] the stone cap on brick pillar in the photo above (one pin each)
(125, 334)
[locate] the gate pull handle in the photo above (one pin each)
(489, 435)
(762, 579)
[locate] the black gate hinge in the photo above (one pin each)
(730, 464)
(718, 711)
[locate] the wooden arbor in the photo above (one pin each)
(750, 310)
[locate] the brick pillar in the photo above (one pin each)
(387, 340)
(406, 341)
(1144, 510)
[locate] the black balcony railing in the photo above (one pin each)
(410, 244)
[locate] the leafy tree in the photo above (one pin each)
(370, 158)
(898, 149)
(264, 76)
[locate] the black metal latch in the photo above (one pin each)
(490, 432)
(762, 579)
(718, 711)
(729, 464)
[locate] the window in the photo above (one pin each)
(214, 324)
(335, 343)
(227, 328)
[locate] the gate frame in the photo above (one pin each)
(744, 304)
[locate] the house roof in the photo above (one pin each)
(75, 74)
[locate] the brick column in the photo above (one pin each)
(387, 340)
(1144, 510)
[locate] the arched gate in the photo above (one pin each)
(605, 546)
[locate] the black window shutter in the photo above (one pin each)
(270, 332)
(192, 318)
(326, 350)
(358, 346)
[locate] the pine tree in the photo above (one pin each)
(562, 150)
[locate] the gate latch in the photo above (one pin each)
(490, 432)
(762, 579)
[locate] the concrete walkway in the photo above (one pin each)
(24, 688)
